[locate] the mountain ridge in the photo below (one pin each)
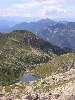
(52, 31)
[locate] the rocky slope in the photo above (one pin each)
(55, 87)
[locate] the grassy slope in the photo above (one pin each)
(58, 64)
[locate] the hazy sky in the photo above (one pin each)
(54, 9)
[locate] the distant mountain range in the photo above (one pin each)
(60, 33)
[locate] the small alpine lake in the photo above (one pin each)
(28, 77)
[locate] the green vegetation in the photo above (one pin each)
(17, 55)
(58, 64)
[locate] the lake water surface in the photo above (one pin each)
(28, 77)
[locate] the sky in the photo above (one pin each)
(38, 9)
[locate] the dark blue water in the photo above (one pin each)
(28, 77)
